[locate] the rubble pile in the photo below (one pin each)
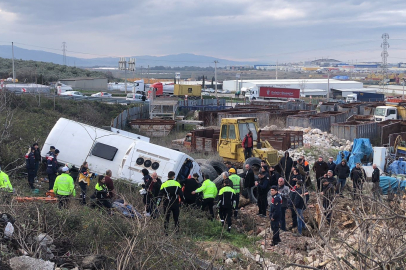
(315, 138)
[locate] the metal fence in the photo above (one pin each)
(312, 121)
(121, 121)
(201, 102)
(352, 130)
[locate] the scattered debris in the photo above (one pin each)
(28, 263)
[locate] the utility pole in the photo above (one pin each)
(14, 74)
(276, 69)
(215, 78)
(384, 54)
(148, 74)
(122, 65)
(64, 47)
(403, 94)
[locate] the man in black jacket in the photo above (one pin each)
(376, 189)
(299, 202)
(342, 171)
(273, 176)
(286, 164)
(275, 214)
(37, 155)
(320, 167)
(190, 185)
(331, 164)
(328, 196)
(358, 177)
(30, 166)
(249, 181)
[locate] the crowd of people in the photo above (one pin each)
(276, 190)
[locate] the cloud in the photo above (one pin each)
(266, 30)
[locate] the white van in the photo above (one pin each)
(124, 156)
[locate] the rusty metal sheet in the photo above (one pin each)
(352, 130)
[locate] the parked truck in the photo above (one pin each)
(124, 155)
(187, 90)
(391, 111)
(269, 92)
(365, 97)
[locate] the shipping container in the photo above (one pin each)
(187, 90)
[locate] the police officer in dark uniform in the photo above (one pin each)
(170, 192)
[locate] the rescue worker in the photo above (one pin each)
(248, 144)
(30, 166)
(226, 203)
(5, 182)
(170, 192)
(52, 168)
(236, 180)
(263, 188)
(84, 181)
(275, 215)
(209, 190)
(102, 193)
(64, 187)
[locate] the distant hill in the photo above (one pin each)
(175, 60)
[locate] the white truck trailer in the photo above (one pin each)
(123, 155)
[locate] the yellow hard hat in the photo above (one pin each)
(232, 170)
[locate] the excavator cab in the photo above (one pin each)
(232, 133)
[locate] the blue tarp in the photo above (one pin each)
(391, 184)
(340, 154)
(397, 167)
(361, 147)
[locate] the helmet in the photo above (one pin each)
(232, 170)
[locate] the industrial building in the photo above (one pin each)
(86, 83)
(308, 87)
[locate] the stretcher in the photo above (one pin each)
(50, 198)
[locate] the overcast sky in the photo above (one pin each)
(255, 30)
